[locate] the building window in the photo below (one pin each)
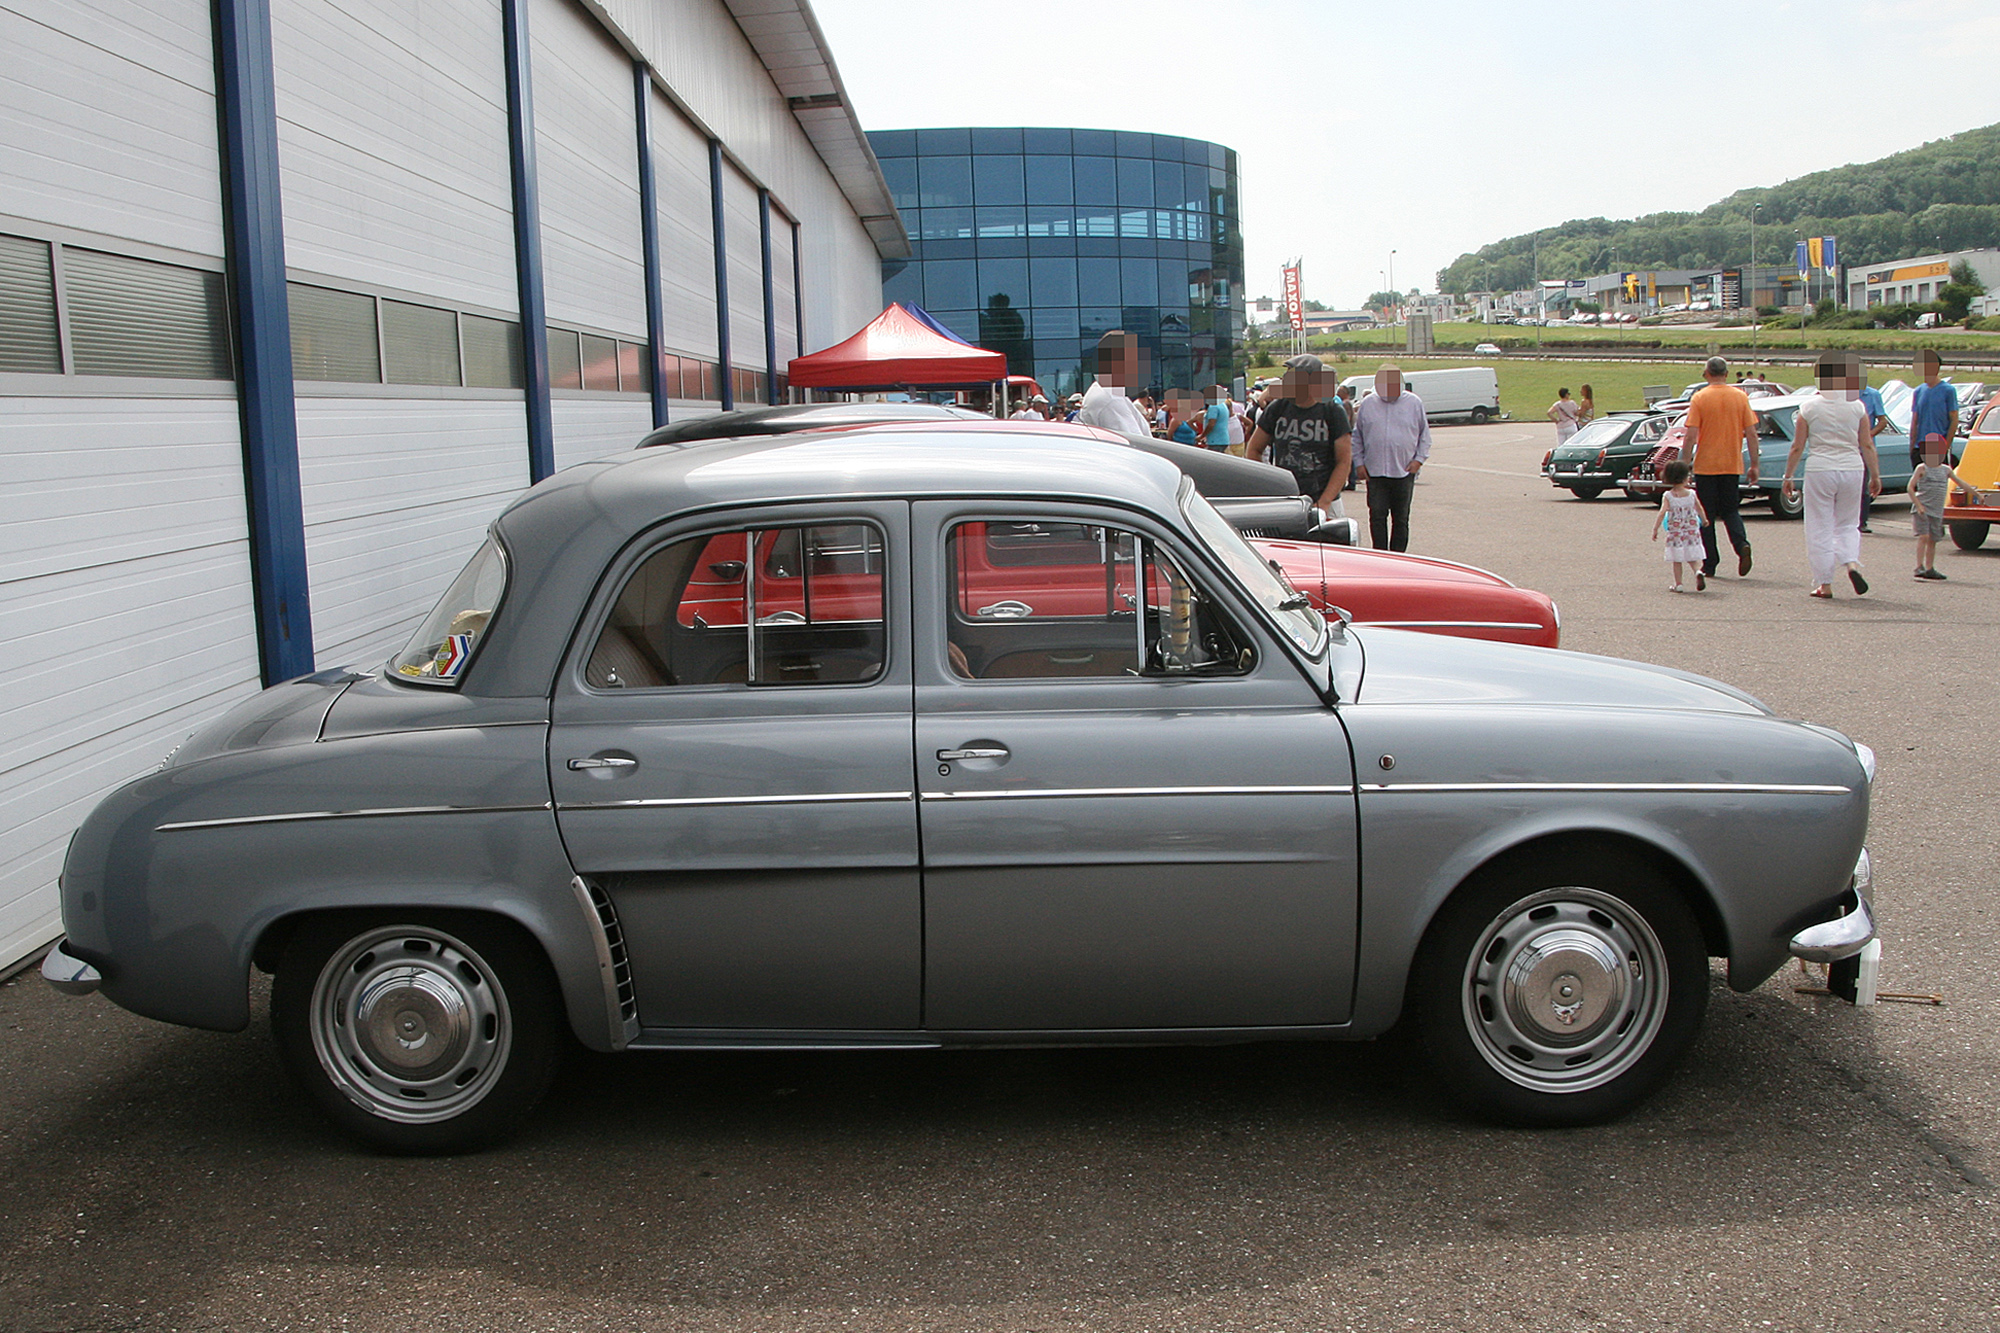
(493, 353)
(419, 344)
(333, 335)
(29, 340)
(141, 318)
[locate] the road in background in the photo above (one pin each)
(1812, 1166)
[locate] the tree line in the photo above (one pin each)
(1944, 195)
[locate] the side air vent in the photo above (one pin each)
(620, 1001)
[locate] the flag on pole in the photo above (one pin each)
(1827, 256)
(1804, 263)
(1814, 244)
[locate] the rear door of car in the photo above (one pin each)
(731, 761)
(1109, 846)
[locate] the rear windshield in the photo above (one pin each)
(444, 645)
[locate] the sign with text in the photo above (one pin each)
(1295, 314)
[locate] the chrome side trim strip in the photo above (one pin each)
(387, 812)
(1061, 793)
(676, 802)
(1455, 624)
(1768, 788)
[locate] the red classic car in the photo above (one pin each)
(1035, 570)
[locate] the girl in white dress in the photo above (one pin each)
(1680, 518)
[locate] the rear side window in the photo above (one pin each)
(753, 606)
(444, 645)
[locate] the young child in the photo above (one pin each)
(1681, 517)
(1929, 484)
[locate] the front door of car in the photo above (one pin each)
(730, 759)
(1137, 813)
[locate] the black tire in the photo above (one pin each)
(1631, 494)
(1586, 492)
(1480, 416)
(1498, 1042)
(1968, 534)
(476, 987)
(1787, 509)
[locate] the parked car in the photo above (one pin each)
(917, 817)
(1603, 453)
(1774, 438)
(1262, 502)
(1970, 517)
(1752, 388)
(1487, 349)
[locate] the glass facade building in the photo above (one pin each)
(1034, 242)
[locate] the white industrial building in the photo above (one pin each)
(294, 297)
(1917, 279)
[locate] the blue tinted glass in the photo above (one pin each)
(996, 141)
(1134, 144)
(964, 249)
(1135, 223)
(1139, 282)
(1045, 141)
(1049, 221)
(1054, 282)
(950, 284)
(1095, 323)
(1005, 278)
(1097, 283)
(1174, 282)
(905, 285)
(945, 181)
(1048, 180)
(1194, 150)
(1002, 247)
(1096, 180)
(893, 143)
(996, 180)
(944, 141)
(1167, 184)
(1003, 221)
(1135, 181)
(1055, 322)
(1095, 141)
(901, 174)
(1098, 220)
(946, 224)
(965, 323)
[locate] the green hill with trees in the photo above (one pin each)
(1942, 196)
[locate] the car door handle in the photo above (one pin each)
(973, 752)
(602, 761)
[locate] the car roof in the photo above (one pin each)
(562, 533)
(785, 418)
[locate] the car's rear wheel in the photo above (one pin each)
(1561, 994)
(1480, 416)
(1969, 534)
(418, 1032)
(1586, 492)
(1784, 506)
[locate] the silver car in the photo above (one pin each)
(862, 740)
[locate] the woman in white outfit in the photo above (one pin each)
(1832, 432)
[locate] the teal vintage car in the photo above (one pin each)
(1603, 453)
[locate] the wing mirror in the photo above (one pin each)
(1334, 531)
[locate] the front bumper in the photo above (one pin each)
(68, 973)
(1844, 936)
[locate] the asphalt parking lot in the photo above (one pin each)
(1812, 1166)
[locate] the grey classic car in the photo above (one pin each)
(820, 741)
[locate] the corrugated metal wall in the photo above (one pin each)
(125, 564)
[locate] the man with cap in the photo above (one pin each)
(1306, 433)
(1035, 409)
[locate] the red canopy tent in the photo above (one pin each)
(896, 350)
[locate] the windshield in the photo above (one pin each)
(444, 644)
(1305, 625)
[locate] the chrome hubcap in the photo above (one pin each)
(1565, 990)
(411, 1024)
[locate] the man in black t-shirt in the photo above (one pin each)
(1306, 433)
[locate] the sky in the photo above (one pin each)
(1432, 127)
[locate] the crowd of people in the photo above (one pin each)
(1301, 421)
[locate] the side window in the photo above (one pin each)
(764, 606)
(1032, 599)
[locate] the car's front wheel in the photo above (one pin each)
(418, 1032)
(1561, 997)
(1788, 506)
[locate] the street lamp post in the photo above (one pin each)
(1750, 278)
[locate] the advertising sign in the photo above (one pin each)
(1295, 313)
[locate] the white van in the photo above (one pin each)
(1466, 393)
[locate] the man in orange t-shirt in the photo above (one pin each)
(1722, 434)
